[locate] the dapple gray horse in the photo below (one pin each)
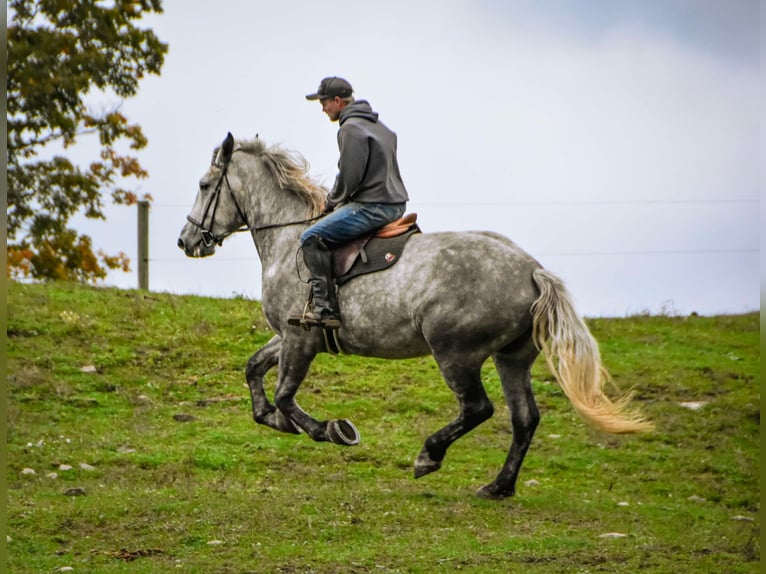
(461, 297)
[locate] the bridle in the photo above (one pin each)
(208, 237)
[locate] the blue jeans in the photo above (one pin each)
(353, 220)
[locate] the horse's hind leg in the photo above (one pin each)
(263, 411)
(513, 365)
(475, 408)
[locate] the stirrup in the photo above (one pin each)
(308, 320)
(300, 320)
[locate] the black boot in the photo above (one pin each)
(323, 310)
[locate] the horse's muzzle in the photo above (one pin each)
(191, 243)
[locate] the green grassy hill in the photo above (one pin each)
(131, 448)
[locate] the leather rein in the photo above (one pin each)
(208, 237)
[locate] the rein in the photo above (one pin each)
(208, 237)
(276, 225)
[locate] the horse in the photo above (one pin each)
(461, 297)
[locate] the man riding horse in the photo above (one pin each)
(368, 194)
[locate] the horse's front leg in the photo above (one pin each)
(293, 367)
(263, 411)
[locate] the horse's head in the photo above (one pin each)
(215, 214)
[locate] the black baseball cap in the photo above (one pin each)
(332, 87)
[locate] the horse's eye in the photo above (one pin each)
(204, 186)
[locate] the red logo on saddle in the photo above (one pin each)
(390, 257)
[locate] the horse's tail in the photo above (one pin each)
(573, 357)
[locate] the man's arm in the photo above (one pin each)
(352, 165)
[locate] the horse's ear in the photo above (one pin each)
(227, 147)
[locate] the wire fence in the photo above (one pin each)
(562, 203)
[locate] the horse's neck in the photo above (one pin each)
(277, 211)
(281, 286)
(279, 242)
(276, 247)
(272, 208)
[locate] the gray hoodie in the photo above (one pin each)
(367, 169)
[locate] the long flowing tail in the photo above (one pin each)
(573, 357)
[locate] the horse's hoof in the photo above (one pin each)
(343, 432)
(491, 492)
(424, 465)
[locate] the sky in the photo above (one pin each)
(617, 142)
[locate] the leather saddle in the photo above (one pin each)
(359, 257)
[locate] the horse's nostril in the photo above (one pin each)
(181, 243)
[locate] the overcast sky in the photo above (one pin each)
(616, 141)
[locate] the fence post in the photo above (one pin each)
(143, 245)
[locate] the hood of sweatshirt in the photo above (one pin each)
(358, 109)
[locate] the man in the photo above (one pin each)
(368, 193)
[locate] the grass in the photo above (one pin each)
(147, 390)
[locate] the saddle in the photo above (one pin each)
(373, 252)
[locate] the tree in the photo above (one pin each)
(58, 52)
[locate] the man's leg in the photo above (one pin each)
(324, 307)
(353, 220)
(345, 224)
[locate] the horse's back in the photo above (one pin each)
(466, 262)
(452, 285)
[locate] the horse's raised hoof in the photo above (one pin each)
(343, 432)
(492, 492)
(424, 464)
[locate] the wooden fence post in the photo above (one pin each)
(143, 245)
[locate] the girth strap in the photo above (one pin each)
(331, 341)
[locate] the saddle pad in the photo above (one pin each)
(382, 253)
